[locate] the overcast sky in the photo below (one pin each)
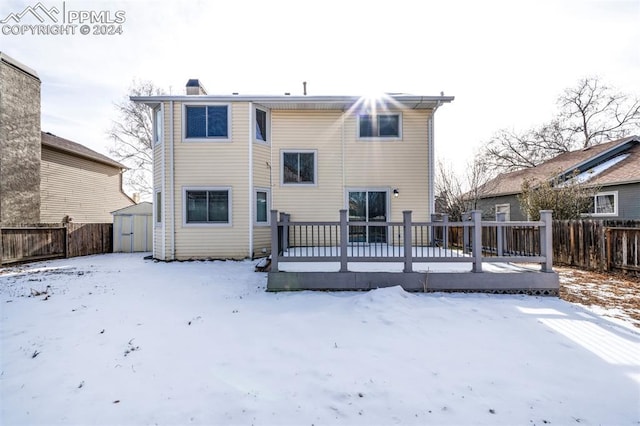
(504, 61)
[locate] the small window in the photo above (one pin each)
(207, 122)
(157, 125)
(207, 206)
(379, 126)
(158, 207)
(504, 208)
(261, 125)
(299, 167)
(605, 204)
(262, 206)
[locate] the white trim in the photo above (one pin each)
(255, 201)
(207, 224)
(299, 151)
(228, 138)
(251, 191)
(379, 138)
(254, 117)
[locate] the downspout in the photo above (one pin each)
(172, 253)
(251, 194)
(431, 161)
(344, 179)
(163, 190)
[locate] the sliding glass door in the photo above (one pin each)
(368, 206)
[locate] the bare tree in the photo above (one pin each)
(457, 195)
(132, 134)
(594, 112)
(590, 113)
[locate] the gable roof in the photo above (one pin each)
(625, 171)
(73, 148)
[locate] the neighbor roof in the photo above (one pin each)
(625, 171)
(76, 149)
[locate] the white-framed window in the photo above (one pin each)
(380, 126)
(261, 120)
(299, 167)
(504, 208)
(263, 206)
(604, 204)
(206, 122)
(157, 125)
(207, 206)
(158, 207)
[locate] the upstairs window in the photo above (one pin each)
(157, 125)
(207, 122)
(379, 126)
(261, 125)
(299, 167)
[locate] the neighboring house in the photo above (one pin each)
(19, 142)
(44, 178)
(222, 162)
(613, 168)
(77, 183)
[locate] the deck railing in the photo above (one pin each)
(472, 241)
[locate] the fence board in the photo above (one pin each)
(43, 241)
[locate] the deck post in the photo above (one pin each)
(500, 217)
(476, 243)
(445, 231)
(344, 240)
(284, 218)
(434, 218)
(465, 234)
(408, 251)
(275, 252)
(546, 240)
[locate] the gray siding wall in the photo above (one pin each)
(19, 146)
(488, 207)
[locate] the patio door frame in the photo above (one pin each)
(367, 190)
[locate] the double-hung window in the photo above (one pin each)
(261, 122)
(299, 168)
(206, 122)
(383, 126)
(207, 205)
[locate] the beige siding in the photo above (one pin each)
(161, 243)
(214, 164)
(85, 190)
(392, 164)
(309, 130)
(262, 178)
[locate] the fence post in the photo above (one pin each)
(434, 218)
(476, 249)
(1, 243)
(66, 240)
(465, 234)
(275, 252)
(408, 250)
(546, 240)
(344, 240)
(500, 217)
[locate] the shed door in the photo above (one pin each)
(126, 233)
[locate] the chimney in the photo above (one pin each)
(194, 87)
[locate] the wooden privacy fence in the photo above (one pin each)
(600, 245)
(29, 243)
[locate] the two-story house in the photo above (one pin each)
(222, 162)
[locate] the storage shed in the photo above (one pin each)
(133, 228)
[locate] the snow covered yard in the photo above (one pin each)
(115, 339)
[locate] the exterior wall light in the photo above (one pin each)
(396, 193)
